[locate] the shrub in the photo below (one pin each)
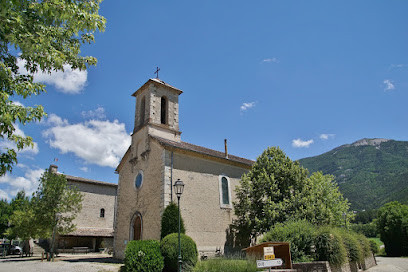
(225, 265)
(353, 246)
(169, 249)
(329, 246)
(391, 226)
(365, 245)
(143, 256)
(300, 236)
(374, 247)
(169, 221)
(369, 229)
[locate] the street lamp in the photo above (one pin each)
(179, 187)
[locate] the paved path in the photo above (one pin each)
(64, 263)
(389, 264)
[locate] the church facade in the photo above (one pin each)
(155, 160)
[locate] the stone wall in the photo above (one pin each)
(146, 200)
(205, 219)
(325, 267)
(95, 198)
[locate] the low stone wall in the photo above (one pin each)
(312, 267)
(369, 262)
(325, 267)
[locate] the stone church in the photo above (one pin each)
(155, 160)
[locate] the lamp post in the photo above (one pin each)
(179, 187)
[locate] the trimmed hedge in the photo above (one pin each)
(169, 249)
(169, 221)
(143, 256)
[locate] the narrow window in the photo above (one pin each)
(225, 191)
(102, 213)
(163, 110)
(142, 110)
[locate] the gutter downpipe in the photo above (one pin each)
(171, 178)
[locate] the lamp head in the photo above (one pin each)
(178, 187)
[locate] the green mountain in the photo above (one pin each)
(370, 172)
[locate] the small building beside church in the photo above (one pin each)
(155, 160)
(94, 224)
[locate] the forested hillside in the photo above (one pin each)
(370, 172)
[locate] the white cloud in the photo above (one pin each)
(298, 143)
(6, 143)
(14, 184)
(55, 120)
(389, 85)
(246, 106)
(326, 136)
(273, 60)
(68, 81)
(99, 113)
(84, 169)
(95, 141)
(398, 66)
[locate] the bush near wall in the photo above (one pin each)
(225, 265)
(332, 244)
(353, 246)
(169, 221)
(169, 249)
(143, 256)
(329, 246)
(300, 235)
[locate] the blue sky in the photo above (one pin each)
(306, 76)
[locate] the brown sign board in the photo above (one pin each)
(282, 251)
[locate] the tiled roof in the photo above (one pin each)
(97, 232)
(78, 179)
(202, 150)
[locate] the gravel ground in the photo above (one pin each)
(64, 263)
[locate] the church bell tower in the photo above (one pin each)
(157, 110)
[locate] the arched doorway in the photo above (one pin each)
(136, 227)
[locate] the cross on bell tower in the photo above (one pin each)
(157, 72)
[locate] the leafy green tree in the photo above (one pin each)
(18, 204)
(5, 212)
(391, 224)
(54, 205)
(325, 204)
(277, 189)
(45, 36)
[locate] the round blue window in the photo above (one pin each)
(139, 180)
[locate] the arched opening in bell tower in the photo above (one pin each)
(163, 110)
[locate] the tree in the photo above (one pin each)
(44, 36)
(325, 204)
(19, 203)
(277, 189)
(5, 212)
(53, 206)
(55, 203)
(392, 225)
